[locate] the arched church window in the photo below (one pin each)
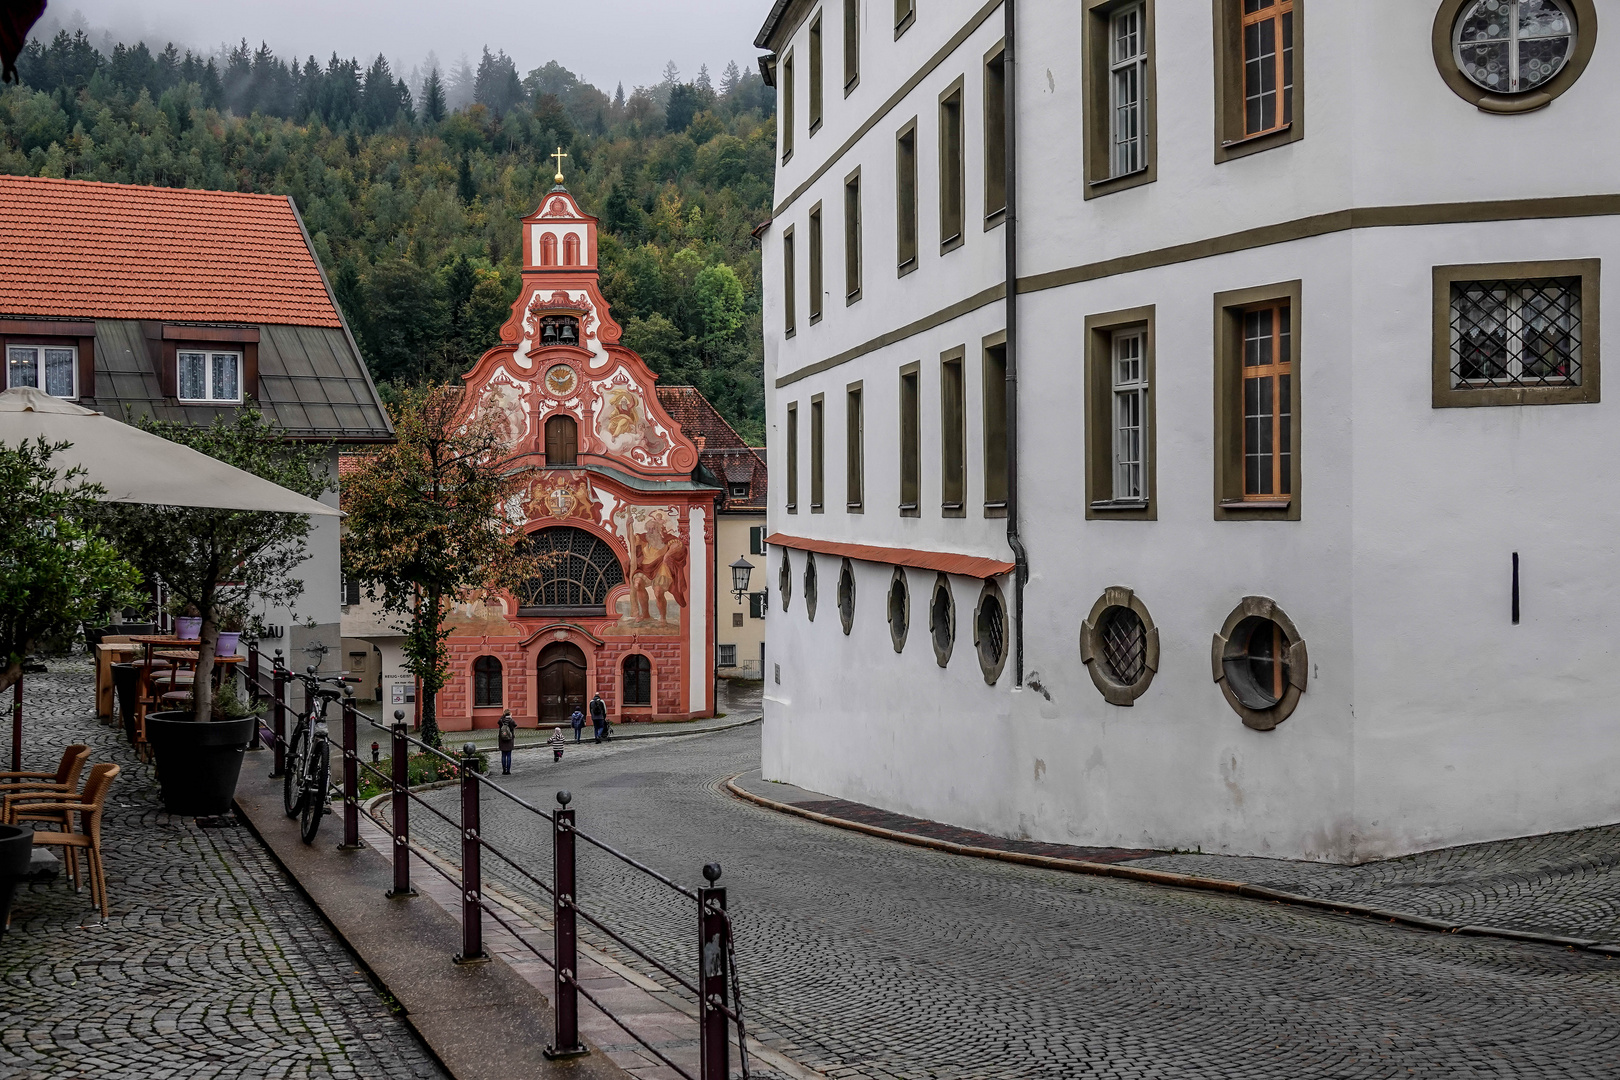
(486, 682)
(637, 680)
(548, 250)
(571, 250)
(579, 571)
(562, 439)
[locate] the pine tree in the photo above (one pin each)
(464, 182)
(618, 97)
(702, 81)
(730, 78)
(458, 94)
(432, 108)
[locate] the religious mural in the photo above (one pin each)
(657, 569)
(621, 423)
(503, 400)
(480, 618)
(564, 495)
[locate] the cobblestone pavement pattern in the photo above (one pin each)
(211, 965)
(863, 957)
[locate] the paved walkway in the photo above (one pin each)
(1558, 885)
(861, 957)
(211, 965)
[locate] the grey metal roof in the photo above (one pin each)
(311, 382)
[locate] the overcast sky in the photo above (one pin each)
(602, 41)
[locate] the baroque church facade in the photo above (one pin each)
(612, 490)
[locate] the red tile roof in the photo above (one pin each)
(949, 562)
(80, 249)
(720, 449)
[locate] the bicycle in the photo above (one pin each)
(307, 774)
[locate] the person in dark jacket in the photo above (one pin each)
(599, 721)
(577, 719)
(506, 738)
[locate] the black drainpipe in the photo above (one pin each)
(1014, 540)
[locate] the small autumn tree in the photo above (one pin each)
(427, 526)
(56, 571)
(225, 561)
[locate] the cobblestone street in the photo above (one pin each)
(211, 965)
(863, 957)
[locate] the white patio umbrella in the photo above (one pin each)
(136, 466)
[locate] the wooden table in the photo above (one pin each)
(106, 657)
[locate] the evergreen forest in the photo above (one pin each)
(413, 194)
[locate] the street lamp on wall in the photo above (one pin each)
(740, 571)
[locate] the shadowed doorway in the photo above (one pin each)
(562, 682)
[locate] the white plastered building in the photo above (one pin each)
(1295, 416)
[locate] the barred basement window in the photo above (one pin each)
(990, 632)
(1120, 646)
(486, 683)
(582, 572)
(899, 609)
(846, 596)
(942, 620)
(1520, 334)
(1261, 663)
(810, 590)
(784, 580)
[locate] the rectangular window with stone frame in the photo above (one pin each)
(910, 440)
(852, 45)
(952, 435)
(854, 450)
(995, 136)
(905, 198)
(1516, 334)
(1119, 99)
(817, 453)
(1120, 431)
(817, 244)
(1257, 403)
(789, 283)
(852, 237)
(994, 386)
(952, 209)
(815, 75)
(792, 441)
(1259, 75)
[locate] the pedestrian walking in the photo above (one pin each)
(506, 739)
(557, 742)
(599, 717)
(578, 720)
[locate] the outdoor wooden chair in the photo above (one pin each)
(64, 779)
(88, 805)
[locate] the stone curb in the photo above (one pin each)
(1179, 881)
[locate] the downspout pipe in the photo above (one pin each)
(1015, 540)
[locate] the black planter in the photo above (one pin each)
(16, 848)
(127, 685)
(198, 763)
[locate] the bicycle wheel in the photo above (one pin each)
(315, 792)
(292, 772)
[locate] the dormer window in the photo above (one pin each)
(559, 330)
(210, 376)
(739, 491)
(51, 368)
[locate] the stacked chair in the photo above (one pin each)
(49, 803)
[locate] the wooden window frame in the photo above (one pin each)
(793, 457)
(952, 173)
(208, 352)
(953, 479)
(79, 335)
(784, 130)
(855, 448)
(1230, 503)
(993, 384)
(1097, 110)
(817, 59)
(1232, 139)
(1099, 416)
(166, 340)
(1589, 391)
(790, 284)
(907, 221)
(852, 237)
(852, 46)
(818, 247)
(995, 135)
(910, 431)
(818, 452)
(905, 16)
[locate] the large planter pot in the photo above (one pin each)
(187, 627)
(198, 763)
(227, 642)
(16, 847)
(127, 686)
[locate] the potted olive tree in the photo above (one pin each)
(223, 563)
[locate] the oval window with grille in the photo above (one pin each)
(1260, 662)
(942, 620)
(846, 595)
(1120, 646)
(990, 632)
(810, 589)
(899, 609)
(784, 580)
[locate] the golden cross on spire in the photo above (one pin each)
(559, 155)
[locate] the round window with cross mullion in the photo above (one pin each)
(1514, 46)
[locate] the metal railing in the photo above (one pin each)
(716, 987)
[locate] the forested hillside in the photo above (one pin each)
(414, 206)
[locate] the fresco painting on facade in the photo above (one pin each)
(503, 397)
(564, 496)
(658, 570)
(622, 424)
